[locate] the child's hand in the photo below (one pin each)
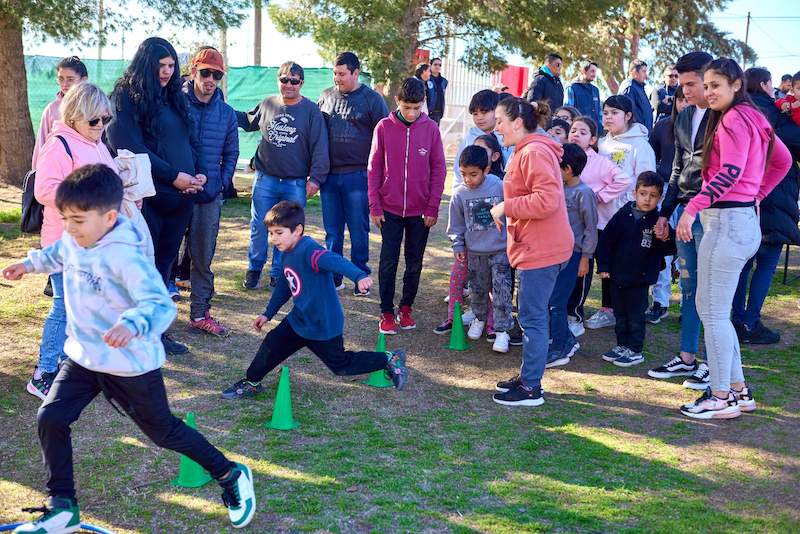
(14, 272)
(604, 275)
(118, 336)
(498, 212)
(661, 229)
(785, 107)
(364, 284)
(583, 267)
(429, 221)
(460, 256)
(378, 220)
(259, 322)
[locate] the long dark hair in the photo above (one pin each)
(140, 82)
(534, 115)
(731, 71)
(499, 166)
(591, 124)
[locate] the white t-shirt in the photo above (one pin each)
(697, 118)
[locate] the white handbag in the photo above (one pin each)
(137, 178)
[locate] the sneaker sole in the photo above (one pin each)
(516, 343)
(699, 386)
(387, 332)
(627, 364)
(668, 374)
(408, 327)
(598, 327)
(499, 349)
(525, 402)
(475, 338)
(252, 512)
(30, 388)
(727, 413)
(443, 332)
(609, 358)
(747, 407)
(210, 333)
(657, 320)
(558, 363)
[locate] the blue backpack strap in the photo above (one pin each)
(66, 147)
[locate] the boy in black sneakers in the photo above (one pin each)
(117, 309)
(316, 320)
(629, 253)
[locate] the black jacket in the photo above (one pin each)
(586, 97)
(629, 250)
(662, 139)
(788, 131)
(642, 110)
(779, 212)
(548, 88)
(686, 179)
(657, 101)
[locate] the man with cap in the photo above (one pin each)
(216, 128)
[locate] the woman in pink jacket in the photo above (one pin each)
(743, 161)
(85, 111)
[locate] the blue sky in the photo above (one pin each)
(773, 34)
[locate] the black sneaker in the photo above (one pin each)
(396, 367)
(613, 354)
(745, 399)
(443, 328)
(273, 282)
(251, 279)
(357, 293)
(172, 347)
(40, 387)
(519, 396)
(760, 335)
(59, 514)
(656, 313)
(506, 385)
(516, 335)
(491, 337)
(699, 380)
(241, 389)
(48, 288)
(675, 367)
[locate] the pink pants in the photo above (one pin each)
(459, 276)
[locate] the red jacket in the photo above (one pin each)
(406, 168)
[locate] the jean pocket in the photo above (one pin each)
(743, 227)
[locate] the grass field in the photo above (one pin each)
(608, 452)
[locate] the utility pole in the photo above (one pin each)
(746, 37)
(223, 49)
(257, 34)
(100, 15)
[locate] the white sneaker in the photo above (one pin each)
(239, 497)
(475, 329)
(601, 319)
(340, 287)
(575, 326)
(467, 317)
(501, 342)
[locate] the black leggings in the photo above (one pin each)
(167, 216)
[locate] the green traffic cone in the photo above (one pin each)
(282, 412)
(379, 378)
(190, 473)
(457, 339)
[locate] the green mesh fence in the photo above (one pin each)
(247, 86)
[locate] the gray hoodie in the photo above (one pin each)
(471, 226)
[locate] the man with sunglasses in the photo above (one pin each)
(351, 111)
(216, 127)
(662, 96)
(291, 161)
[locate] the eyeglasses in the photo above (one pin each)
(96, 121)
(294, 81)
(217, 75)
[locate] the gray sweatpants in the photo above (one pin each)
(202, 245)
(491, 271)
(731, 236)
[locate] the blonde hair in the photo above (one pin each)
(84, 101)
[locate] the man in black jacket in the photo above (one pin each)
(633, 88)
(437, 85)
(351, 111)
(585, 96)
(546, 85)
(684, 183)
(661, 97)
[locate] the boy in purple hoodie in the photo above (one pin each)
(405, 182)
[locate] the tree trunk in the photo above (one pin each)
(410, 30)
(257, 33)
(16, 143)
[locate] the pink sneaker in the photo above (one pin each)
(404, 318)
(710, 407)
(210, 325)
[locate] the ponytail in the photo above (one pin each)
(534, 115)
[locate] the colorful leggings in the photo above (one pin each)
(459, 275)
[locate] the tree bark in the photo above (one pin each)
(16, 142)
(410, 30)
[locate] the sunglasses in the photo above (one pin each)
(294, 81)
(95, 122)
(217, 75)
(673, 75)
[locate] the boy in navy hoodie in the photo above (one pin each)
(630, 255)
(316, 320)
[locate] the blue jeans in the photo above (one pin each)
(268, 191)
(344, 202)
(54, 333)
(535, 288)
(766, 260)
(687, 254)
(565, 283)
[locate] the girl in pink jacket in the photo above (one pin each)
(610, 184)
(85, 111)
(743, 161)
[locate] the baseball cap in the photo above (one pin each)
(209, 58)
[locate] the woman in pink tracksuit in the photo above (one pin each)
(743, 161)
(405, 182)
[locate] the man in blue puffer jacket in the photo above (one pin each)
(216, 127)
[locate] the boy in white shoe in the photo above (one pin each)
(473, 232)
(117, 309)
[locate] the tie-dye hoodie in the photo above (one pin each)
(112, 282)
